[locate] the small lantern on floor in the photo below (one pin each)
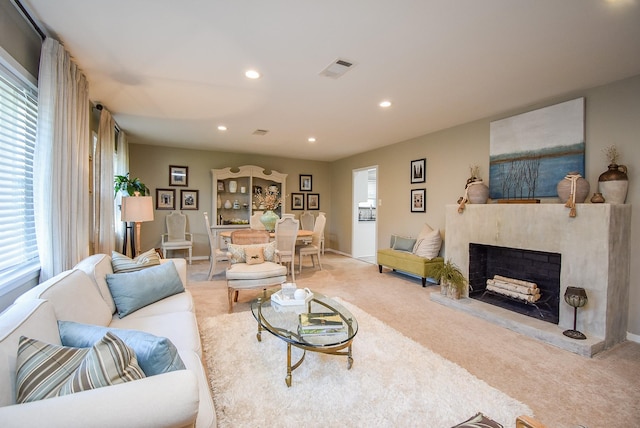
(576, 297)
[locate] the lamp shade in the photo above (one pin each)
(137, 208)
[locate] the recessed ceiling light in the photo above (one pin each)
(385, 104)
(311, 139)
(222, 128)
(252, 74)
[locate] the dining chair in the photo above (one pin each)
(177, 237)
(322, 240)
(314, 248)
(254, 221)
(217, 254)
(307, 221)
(285, 237)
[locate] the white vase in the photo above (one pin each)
(233, 186)
(227, 204)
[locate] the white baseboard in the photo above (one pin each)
(633, 337)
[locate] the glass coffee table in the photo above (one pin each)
(283, 321)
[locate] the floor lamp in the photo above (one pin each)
(137, 209)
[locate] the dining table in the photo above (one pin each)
(303, 235)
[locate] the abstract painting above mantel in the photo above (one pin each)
(531, 152)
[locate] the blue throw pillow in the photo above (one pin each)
(134, 290)
(155, 354)
(403, 243)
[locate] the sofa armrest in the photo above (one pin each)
(166, 400)
(181, 267)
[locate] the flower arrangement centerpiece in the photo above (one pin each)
(269, 200)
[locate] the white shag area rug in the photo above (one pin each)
(394, 381)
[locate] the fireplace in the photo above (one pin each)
(595, 253)
(539, 267)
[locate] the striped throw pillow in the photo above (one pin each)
(46, 370)
(122, 263)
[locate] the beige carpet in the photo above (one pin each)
(394, 381)
(562, 389)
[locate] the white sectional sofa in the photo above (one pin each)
(81, 295)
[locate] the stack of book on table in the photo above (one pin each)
(320, 323)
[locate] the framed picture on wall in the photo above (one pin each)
(178, 175)
(188, 199)
(313, 201)
(165, 199)
(305, 183)
(418, 200)
(418, 170)
(297, 201)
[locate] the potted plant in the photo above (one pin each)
(131, 186)
(452, 282)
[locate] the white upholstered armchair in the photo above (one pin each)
(252, 263)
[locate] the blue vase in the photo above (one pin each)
(269, 219)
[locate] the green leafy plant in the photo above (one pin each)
(123, 182)
(449, 274)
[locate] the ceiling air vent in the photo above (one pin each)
(337, 68)
(260, 132)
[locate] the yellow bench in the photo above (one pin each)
(407, 262)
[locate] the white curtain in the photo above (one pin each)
(62, 199)
(104, 236)
(121, 167)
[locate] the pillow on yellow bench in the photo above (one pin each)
(429, 245)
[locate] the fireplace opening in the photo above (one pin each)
(541, 268)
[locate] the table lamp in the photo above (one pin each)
(137, 209)
(576, 297)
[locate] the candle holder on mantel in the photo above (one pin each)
(576, 297)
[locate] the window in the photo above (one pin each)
(18, 117)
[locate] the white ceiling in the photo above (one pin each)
(172, 71)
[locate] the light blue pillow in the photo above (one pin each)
(155, 354)
(403, 243)
(134, 290)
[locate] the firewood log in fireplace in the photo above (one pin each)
(515, 288)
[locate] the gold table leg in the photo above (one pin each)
(288, 378)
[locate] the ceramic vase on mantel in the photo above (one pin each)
(269, 219)
(564, 188)
(477, 192)
(613, 184)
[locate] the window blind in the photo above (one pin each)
(18, 118)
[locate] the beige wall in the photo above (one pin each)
(612, 117)
(18, 38)
(151, 165)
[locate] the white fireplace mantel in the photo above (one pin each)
(594, 246)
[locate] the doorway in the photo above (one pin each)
(364, 214)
